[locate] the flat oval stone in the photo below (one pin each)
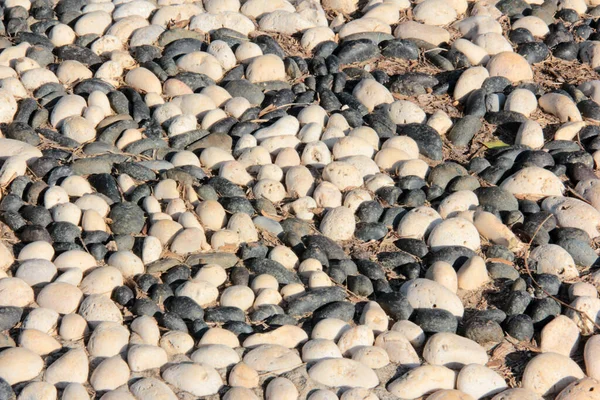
(343, 372)
(453, 351)
(423, 380)
(19, 365)
(425, 293)
(573, 213)
(533, 181)
(152, 388)
(199, 380)
(480, 381)
(579, 389)
(549, 373)
(272, 358)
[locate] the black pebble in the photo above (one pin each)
(483, 330)
(434, 320)
(123, 295)
(184, 307)
(520, 327)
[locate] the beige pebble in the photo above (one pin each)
(561, 335)
(549, 373)
(453, 351)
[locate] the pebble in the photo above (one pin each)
(479, 381)
(272, 358)
(423, 380)
(206, 380)
(453, 351)
(154, 190)
(343, 372)
(549, 373)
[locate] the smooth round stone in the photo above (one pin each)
(534, 181)
(454, 232)
(73, 327)
(479, 381)
(434, 12)
(281, 388)
(590, 355)
(418, 222)
(517, 393)
(343, 372)
(549, 373)
(573, 213)
(39, 342)
(189, 241)
(493, 43)
(97, 308)
(371, 94)
(15, 292)
(560, 106)
(212, 273)
(329, 328)
(265, 68)
(588, 305)
(216, 355)
(201, 292)
(470, 80)
(457, 202)
(287, 336)
(530, 134)
(75, 259)
(424, 293)
(151, 388)
(199, 380)
(147, 330)
(36, 271)
(510, 65)
(579, 389)
(553, 259)
(39, 390)
(71, 367)
(36, 250)
(101, 281)
(272, 358)
(220, 336)
(521, 100)
(19, 365)
(444, 274)
(472, 274)
(371, 356)
(423, 380)
(453, 351)
(41, 319)
(362, 25)
(176, 342)
(398, 348)
(338, 224)
(145, 357)
(269, 189)
(165, 230)
(127, 218)
(582, 289)
(242, 375)
(410, 331)
(110, 374)
(322, 394)
(237, 296)
(127, 263)
(353, 338)
(108, 339)
(75, 391)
